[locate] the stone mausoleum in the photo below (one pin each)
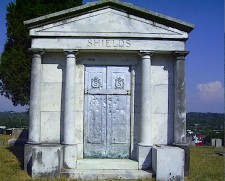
(107, 94)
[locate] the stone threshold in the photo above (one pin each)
(107, 164)
(106, 174)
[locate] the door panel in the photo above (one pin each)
(118, 78)
(96, 119)
(95, 78)
(107, 112)
(118, 126)
(95, 126)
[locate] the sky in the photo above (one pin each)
(204, 64)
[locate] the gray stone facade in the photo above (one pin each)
(106, 75)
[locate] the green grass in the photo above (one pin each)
(206, 164)
(10, 166)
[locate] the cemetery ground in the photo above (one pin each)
(206, 163)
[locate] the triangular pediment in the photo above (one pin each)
(108, 22)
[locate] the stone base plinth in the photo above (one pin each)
(69, 156)
(43, 161)
(144, 157)
(186, 149)
(168, 163)
(28, 157)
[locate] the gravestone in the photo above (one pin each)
(216, 142)
(19, 137)
(1, 142)
(107, 82)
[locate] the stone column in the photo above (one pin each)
(35, 99)
(180, 107)
(69, 110)
(145, 125)
(145, 137)
(180, 98)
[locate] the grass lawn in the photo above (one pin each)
(206, 164)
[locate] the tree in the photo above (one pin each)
(15, 61)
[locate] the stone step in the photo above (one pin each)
(106, 174)
(107, 164)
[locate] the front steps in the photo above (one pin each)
(107, 164)
(101, 169)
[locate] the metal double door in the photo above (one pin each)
(107, 112)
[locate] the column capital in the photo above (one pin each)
(71, 51)
(37, 51)
(180, 55)
(146, 52)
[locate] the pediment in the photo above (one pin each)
(108, 22)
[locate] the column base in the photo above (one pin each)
(33, 143)
(28, 157)
(43, 160)
(69, 156)
(144, 157)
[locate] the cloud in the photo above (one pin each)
(212, 91)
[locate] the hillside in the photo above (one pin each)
(205, 121)
(195, 121)
(14, 120)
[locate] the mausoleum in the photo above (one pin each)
(107, 93)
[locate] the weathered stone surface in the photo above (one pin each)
(168, 163)
(137, 11)
(28, 158)
(107, 164)
(106, 174)
(64, 43)
(162, 128)
(106, 33)
(35, 99)
(186, 149)
(144, 157)
(69, 156)
(50, 127)
(180, 98)
(46, 161)
(51, 96)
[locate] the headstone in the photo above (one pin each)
(1, 142)
(1, 131)
(222, 154)
(19, 137)
(216, 142)
(11, 142)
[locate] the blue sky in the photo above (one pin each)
(204, 64)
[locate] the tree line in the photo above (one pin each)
(15, 60)
(205, 121)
